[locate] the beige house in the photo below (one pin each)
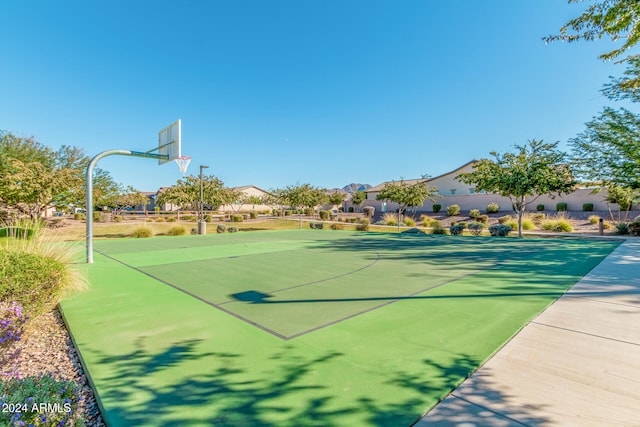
(249, 195)
(453, 192)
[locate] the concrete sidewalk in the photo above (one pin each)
(577, 364)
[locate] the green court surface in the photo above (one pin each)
(306, 327)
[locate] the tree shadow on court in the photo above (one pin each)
(221, 393)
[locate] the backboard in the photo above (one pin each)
(169, 142)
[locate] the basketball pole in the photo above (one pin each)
(89, 184)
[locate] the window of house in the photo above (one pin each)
(472, 191)
(453, 191)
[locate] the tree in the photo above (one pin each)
(407, 195)
(336, 198)
(186, 193)
(358, 198)
(303, 196)
(608, 151)
(616, 19)
(533, 170)
(129, 198)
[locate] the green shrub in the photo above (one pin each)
(188, 218)
(483, 219)
(324, 215)
(390, 219)
(99, 216)
(253, 215)
(453, 210)
(437, 228)
(316, 225)
(456, 230)
(500, 230)
(594, 219)
(476, 228)
(172, 219)
(622, 228)
(78, 216)
(33, 281)
(177, 230)
(587, 207)
(363, 224)
(561, 207)
(463, 224)
(474, 213)
(237, 218)
(540, 207)
(634, 228)
(436, 208)
(309, 211)
(558, 225)
(493, 208)
(232, 229)
(221, 228)
(141, 232)
(410, 222)
(336, 226)
(16, 232)
(369, 211)
(24, 393)
(117, 218)
(160, 219)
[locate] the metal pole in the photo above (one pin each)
(89, 183)
(202, 225)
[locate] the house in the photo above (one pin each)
(451, 191)
(250, 200)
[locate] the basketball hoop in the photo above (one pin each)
(183, 163)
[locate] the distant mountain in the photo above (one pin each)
(352, 188)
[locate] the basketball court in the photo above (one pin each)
(306, 327)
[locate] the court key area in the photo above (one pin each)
(306, 327)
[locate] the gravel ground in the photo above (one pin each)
(47, 347)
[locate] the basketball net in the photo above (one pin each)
(183, 163)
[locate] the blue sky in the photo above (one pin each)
(273, 93)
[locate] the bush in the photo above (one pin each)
(474, 213)
(253, 215)
(336, 226)
(287, 212)
(410, 222)
(78, 216)
(99, 216)
(369, 211)
(453, 210)
(33, 281)
(324, 215)
(160, 219)
(500, 230)
(188, 218)
(456, 230)
(594, 219)
(504, 219)
(117, 218)
(232, 229)
(437, 208)
(540, 207)
(622, 228)
(437, 228)
(476, 228)
(221, 228)
(390, 219)
(483, 219)
(237, 218)
(172, 219)
(536, 218)
(561, 207)
(363, 224)
(177, 230)
(634, 228)
(558, 225)
(16, 232)
(316, 225)
(142, 232)
(309, 211)
(24, 393)
(587, 207)
(493, 208)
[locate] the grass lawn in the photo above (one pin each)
(306, 327)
